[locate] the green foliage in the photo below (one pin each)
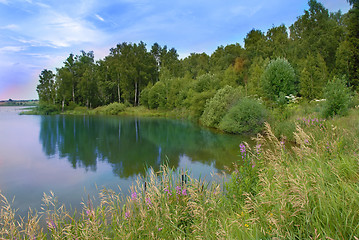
(218, 106)
(255, 74)
(46, 87)
(111, 109)
(338, 98)
(47, 109)
(313, 77)
(244, 179)
(201, 89)
(157, 96)
(247, 116)
(279, 77)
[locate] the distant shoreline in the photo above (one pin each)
(11, 102)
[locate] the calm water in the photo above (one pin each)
(70, 155)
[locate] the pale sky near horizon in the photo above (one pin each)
(40, 34)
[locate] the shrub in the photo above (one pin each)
(47, 109)
(217, 106)
(279, 78)
(247, 116)
(157, 96)
(338, 98)
(114, 108)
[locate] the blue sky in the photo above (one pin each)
(39, 34)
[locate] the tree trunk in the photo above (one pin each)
(118, 92)
(63, 104)
(135, 104)
(73, 93)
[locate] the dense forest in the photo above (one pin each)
(276, 67)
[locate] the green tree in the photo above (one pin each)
(224, 57)
(218, 106)
(344, 58)
(247, 116)
(353, 46)
(256, 70)
(46, 87)
(278, 41)
(316, 32)
(338, 98)
(313, 77)
(64, 81)
(255, 44)
(87, 86)
(279, 78)
(196, 64)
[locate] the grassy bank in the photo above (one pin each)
(306, 190)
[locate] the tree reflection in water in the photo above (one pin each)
(129, 144)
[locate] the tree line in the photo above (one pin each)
(318, 46)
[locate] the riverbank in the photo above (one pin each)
(306, 191)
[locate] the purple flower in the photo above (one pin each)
(184, 192)
(51, 224)
(134, 196)
(148, 201)
(178, 190)
(258, 148)
(127, 214)
(242, 148)
(168, 191)
(160, 229)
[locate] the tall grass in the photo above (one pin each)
(308, 190)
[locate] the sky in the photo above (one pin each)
(40, 34)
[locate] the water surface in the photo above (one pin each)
(71, 155)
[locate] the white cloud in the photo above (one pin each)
(99, 17)
(11, 49)
(10, 27)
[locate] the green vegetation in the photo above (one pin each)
(278, 79)
(274, 67)
(301, 191)
(219, 105)
(247, 116)
(337, 97)
(300, 181)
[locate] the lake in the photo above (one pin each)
(74, 155)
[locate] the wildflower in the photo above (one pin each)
(184, 192)
(168, 191)
(246, 225)
(242, 150)
(51, 224)
(160, 229)
(178, 190)
(253, 165)
(258, 148)
(148, 201)
(134, 196)
(127, 214)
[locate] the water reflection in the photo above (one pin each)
(129, 144)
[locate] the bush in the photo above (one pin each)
(157, 96)
(47, 109)
(338, 98)
(218, 106)
(279, 78)
(247, 116)
(113, 108)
